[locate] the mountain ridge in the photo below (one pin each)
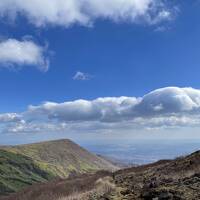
(56, 158)
(177, 179)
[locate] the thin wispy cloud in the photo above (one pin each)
(81, 76)
(86, 12)
(15, 53)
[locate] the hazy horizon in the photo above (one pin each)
(138, 151)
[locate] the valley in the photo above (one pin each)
(23, 178)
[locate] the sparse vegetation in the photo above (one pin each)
(165, 180)
(87, 185)
(102, 187)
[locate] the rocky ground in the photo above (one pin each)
(165, 180)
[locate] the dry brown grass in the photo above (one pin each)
(76, 196)
(71, 197)
(102, 187)
(73, 188)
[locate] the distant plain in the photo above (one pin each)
(143, 151)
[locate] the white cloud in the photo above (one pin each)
(81, 76)
(170, 100)
(162, 108)
(18, 53)
(31, 127)
(101, 109)
(161, 102)
(9, 117)
(85, 12)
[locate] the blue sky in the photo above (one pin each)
(131, 59)
(107, 56)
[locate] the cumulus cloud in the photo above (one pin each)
(85, 12)
(170, 100)
(19, 53)
(81, 76)
(32, 127)
(161, 102)
(10, 117)
(101, 109)
(161, 108)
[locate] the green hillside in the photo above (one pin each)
(27, 164)
(17, 171)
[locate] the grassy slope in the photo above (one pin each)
(62, 157)
(17, 171)
(54, 190)
(26, 164)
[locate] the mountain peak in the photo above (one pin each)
(57, 158)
